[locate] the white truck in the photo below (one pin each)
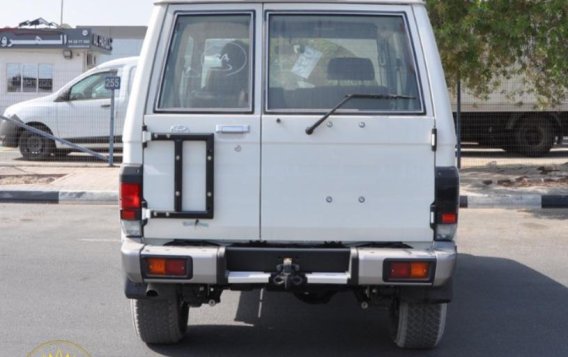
(517, 125)
(78, 112)
(301, 147)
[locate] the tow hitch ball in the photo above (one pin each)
(288, 274)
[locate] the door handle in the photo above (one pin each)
(105, 105)
(232, 129)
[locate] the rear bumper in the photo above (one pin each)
(364, 267)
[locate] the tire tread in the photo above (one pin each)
(158, 321)
(420, 326)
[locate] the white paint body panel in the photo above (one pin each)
(384, 164)
(237, 179)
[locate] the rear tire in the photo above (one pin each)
(417, 326)
(35, 147)
(160, 321)
(534, 136)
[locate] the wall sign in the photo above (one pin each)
(54, 38)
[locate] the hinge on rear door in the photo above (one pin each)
(433, 215)
(146, 137)
(146, 213)
(434, 139)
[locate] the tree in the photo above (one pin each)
(483, 42)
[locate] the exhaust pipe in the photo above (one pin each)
(151, 293)
(160, 291)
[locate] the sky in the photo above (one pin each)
(77, 12)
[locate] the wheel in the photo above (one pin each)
(534, 136)
(161, 321)
(35, 147)
(418, 326)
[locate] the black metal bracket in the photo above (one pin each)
(178, 140)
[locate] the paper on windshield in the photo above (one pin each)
(306, 62)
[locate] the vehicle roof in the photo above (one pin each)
(118, 62)
(390, 2)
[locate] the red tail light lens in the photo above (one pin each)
(399, 270)
(130, 201)
(449, 218)
(130, 195)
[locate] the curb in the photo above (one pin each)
(514, 201)
(54, 197)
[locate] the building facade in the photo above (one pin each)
(38, 61)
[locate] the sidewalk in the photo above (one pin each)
(514, 184)
(90, 184)
(487, 186)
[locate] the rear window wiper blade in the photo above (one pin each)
(347, 98)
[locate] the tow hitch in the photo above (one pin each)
(288, 275)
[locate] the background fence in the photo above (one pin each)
(504, 144)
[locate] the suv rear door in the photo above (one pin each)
(202, 154)
(367, 173)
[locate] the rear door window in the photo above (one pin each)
(316, 60)
(209, 62)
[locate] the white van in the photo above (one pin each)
(78, 112)
(302, 147)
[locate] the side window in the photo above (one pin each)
(208, 64)
(92, 87)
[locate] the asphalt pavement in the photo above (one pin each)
(61, 280)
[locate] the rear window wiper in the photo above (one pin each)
(347, 98)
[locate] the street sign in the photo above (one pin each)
(112, 82)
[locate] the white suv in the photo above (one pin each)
(303, 147)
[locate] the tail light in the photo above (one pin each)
(446, 205)
(131, 200)
(408, 270)
(161, 267)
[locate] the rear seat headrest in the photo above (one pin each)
(350, 69)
